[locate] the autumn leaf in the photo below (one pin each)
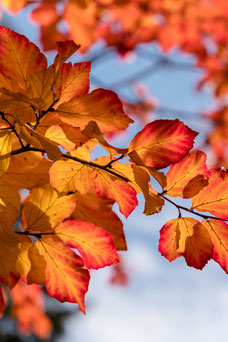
(28, 265)
(93, 243)
(40, 142)
(70, 176)
(161, 143)
(169, 240)
(41, 87)
(214, 197)
(66, 280)
(89, 208)
(5, 149)
(44, 209)
(28, 170)
(218, 231)
(8, 250)
(74, 81)
(188, 177)
(65, 50)
(187, 237)
(9, 204)
(108, 112)
(13, 49)
(67, 136)
(92, 131)
(195, 243)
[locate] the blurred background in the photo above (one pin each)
(148, 299)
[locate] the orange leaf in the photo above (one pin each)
(188, 237)
(92, 131)
(161, 143)
(214, 197)
(44, 209)
(67, 136)
(28, 170)
(70, 176)
(113, 188)
(9, 204)
(41, 87)
(169, 240)
(218, 231)
(38, 141)
(19, 58)
(187, 178)
(195, 243)
(153, 203)
(8, 250)
(74, 81)
(89, 208)
(93, 243)
(5, 149)
(28, 265)
(65, 50)
(108, 111)
(66, 279)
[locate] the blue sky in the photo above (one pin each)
(163, 301)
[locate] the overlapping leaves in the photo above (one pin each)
(49, 123)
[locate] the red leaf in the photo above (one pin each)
(161, 143)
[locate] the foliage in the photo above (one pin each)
(50, 123)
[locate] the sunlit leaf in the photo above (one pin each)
(5, 149)
(161, 143)
(214, 197)
(43, 209)
(188, 177)
(8, 250)
(13, 49)
(218, 231)
(9, 204)
(66, 280)
(169, 240)
(89, 208)
(108, 111)
(93, 243)
(195, 243)
(28, 170)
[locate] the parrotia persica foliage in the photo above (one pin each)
(197, 27)
(49, 124)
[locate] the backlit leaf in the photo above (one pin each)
(93, 243)
(5, 149)
(195, 243)
(169, 240)
(67, 136)
(214, 197)
(8, 250)
(66, 280)
(44, 209)
(13, 49)
(161, 143)
(65, 50)
(182, 177)
(89, 208)
(28, 170)
(108, 111)
(74, 81)
(218, 231)
(9, 204)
